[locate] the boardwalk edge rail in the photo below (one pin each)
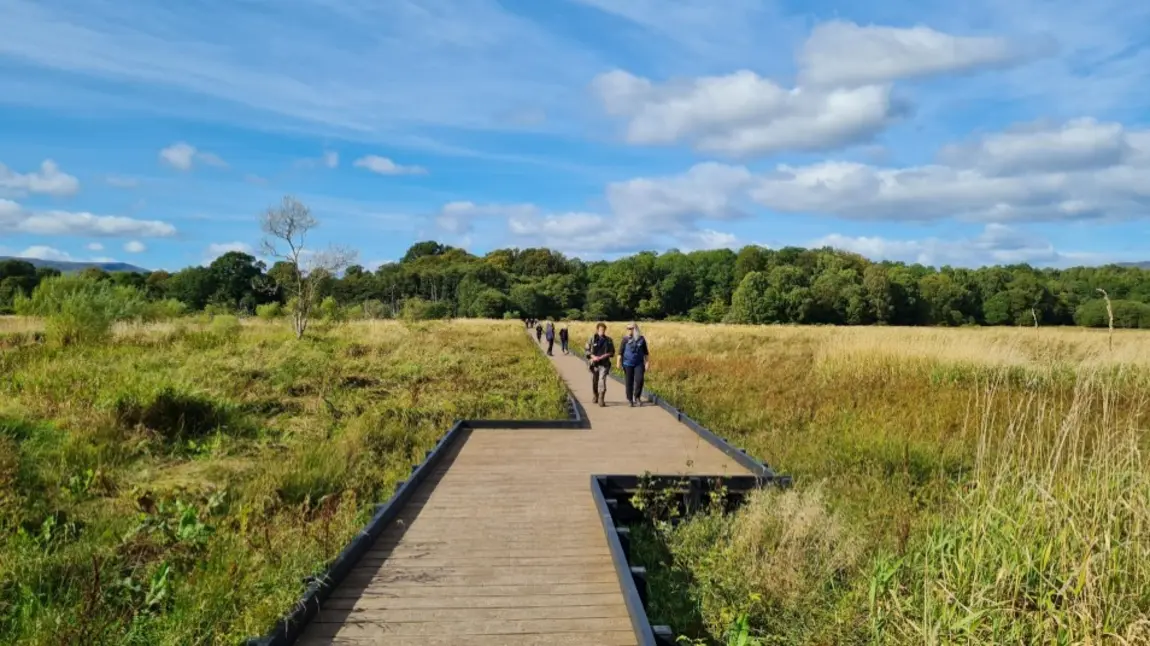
(319, 588)
(605, 490)
(288, 629)
(739, 455)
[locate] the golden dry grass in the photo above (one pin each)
(977, 486)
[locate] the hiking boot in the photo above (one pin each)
(633, 403)
(603, 402)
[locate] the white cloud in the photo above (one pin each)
(743, 114)
(135, 246)
(1081, 170)
(385, 166)
(707, 190)
(121, 181)
(996, 244)
(183, 156)
(844, 95)
(643, 213)
(48, 180)
(1079, 144)
(217, 249)
(844, 54)
(458, 218)
(43, 252)
(16, 219)
(94, 246)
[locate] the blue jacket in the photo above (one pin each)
(634, 351)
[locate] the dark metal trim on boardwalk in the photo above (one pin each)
(739, 455)
(615, 511)
(644, 634)
(289, 628)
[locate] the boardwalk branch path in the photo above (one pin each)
(502, 544)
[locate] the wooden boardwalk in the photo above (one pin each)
(502, 544)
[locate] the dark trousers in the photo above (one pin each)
(633, 380)
(550, 344)
(563, 343)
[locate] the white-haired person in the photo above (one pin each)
(634, 359)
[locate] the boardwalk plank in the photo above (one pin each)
(502, 544)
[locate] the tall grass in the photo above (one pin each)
(176, 483)
(984, 486)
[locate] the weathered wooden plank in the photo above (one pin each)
(464, 628)
(502, 601)
(608, 638)
(502, 543)
(490, 613)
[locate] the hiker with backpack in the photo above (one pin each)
(634, 361)
(599, 351)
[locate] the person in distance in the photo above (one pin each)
(564, 336)
(549, 334)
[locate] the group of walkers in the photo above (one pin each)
(633, 357)
(547, 331)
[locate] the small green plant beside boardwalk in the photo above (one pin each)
(174, 483)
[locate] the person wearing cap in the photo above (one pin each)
(634, 361)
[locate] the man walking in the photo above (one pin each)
(549, 334)
(633, 359)
(563, 338)
(600, 349)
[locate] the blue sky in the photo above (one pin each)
(962, 133)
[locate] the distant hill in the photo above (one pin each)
(1145, 264)
(65, 266)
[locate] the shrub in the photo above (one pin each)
(417, 309)
(269, 311)
(373, 309)
(329, 309)
(81, 310)
(165, 310)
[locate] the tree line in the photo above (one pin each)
(752, 285)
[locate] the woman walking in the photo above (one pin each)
(634, 360)
(549, 334)
(563, 339)
(538, 333)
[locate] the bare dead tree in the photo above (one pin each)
(285, 230)
(1110, 315)
(1034, 315)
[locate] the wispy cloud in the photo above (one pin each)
(16, 219)
(47, 180)
(384, 166)
(352, 65)
(183, 156)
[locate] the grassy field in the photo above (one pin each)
(176, 485)
(971, 486)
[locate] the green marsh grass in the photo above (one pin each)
(177, 483)
(953, 486)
